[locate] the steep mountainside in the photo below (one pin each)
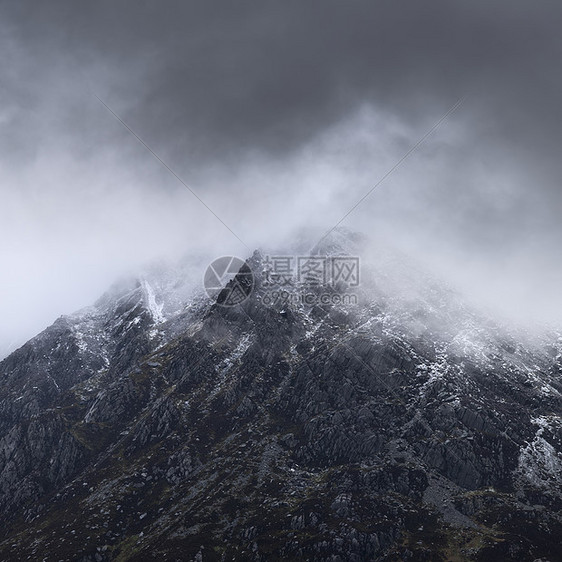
(402, 427)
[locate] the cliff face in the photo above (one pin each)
(399, 427)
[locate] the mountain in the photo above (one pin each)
(376, 420)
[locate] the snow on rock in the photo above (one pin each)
(154, 308)
(539, 462)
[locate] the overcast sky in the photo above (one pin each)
(278, 115)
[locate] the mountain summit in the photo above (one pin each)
(397, 425)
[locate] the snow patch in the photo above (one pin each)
(154, 308)
(540, 463)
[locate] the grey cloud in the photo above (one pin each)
(224, 76)
(268, 105)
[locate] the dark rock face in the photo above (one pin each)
(387, 430)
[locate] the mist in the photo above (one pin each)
(278, 117)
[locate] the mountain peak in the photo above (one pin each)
(160, 421)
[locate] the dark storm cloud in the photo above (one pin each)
(221, 76)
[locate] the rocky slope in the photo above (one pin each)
(403, 427)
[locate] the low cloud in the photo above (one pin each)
(279, 117)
